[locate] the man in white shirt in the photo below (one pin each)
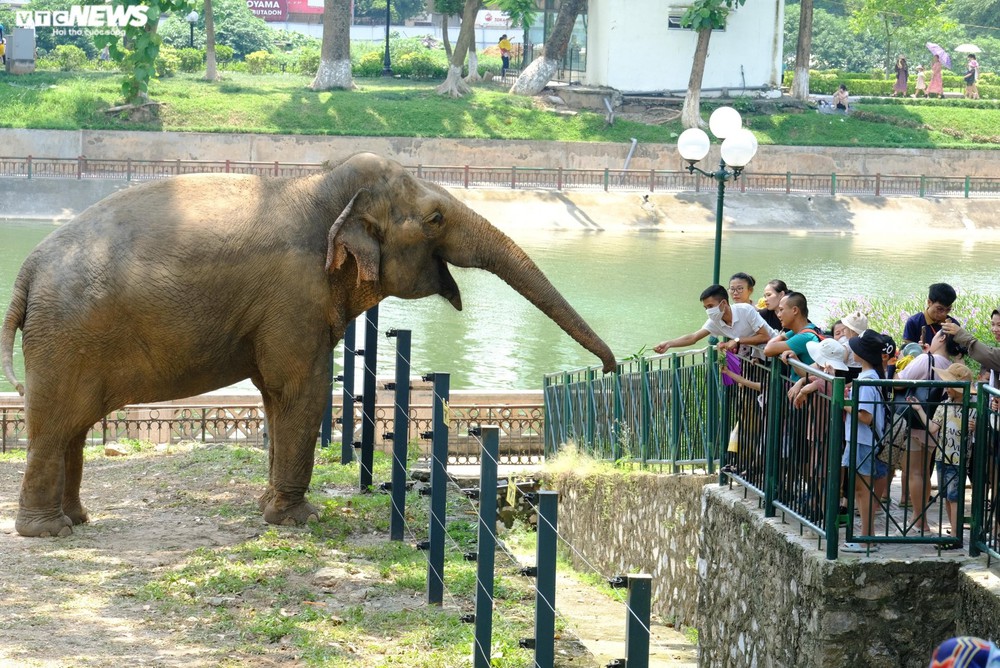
(740, 323)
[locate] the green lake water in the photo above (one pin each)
(635, 289)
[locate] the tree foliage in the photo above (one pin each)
(399, 10)
(886, 18)
(235, 26)
(139, 62)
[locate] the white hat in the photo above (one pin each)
(828, 352)
(857, 321)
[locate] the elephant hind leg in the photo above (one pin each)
(71, 505)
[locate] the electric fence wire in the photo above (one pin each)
(453, 599)
(575, 551)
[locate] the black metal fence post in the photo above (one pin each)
(486, 546)
(368, 398)
(400, 432)
(640, 587)
(439, 487)
(347, 402)
(545, 581)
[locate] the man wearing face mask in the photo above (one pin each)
(740, 323)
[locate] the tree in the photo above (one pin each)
(803, 51)
(522, 13)
(980, 16)
(887, 17)
(335, 56)
(703, 16)
(139, 64)
(537, 75)
(211, 71)
(447, 8)
(453, 84)
(834, 45)
(473, 75)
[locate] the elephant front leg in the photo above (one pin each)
(293, 430)
(40, 511)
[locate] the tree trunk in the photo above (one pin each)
(803, 52)
(537, 75)
(691, 112)
(211, 70)
(335, 54)
(473, 76)
(444, 37)
(454, 85)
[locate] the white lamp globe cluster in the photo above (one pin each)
(738, 144)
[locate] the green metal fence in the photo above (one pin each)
(675, 410)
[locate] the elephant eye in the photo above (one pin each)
(435, 218)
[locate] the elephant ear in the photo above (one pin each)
(348, 235)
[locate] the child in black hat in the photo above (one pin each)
(868, 349)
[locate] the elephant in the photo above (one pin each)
(177, 287)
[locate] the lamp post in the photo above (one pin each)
(191, 18)
(738, 148)
(386, 63)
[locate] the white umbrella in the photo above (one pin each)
(967, 48)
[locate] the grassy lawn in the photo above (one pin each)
(283, 104)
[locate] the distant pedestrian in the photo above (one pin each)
(505, 48)
(921, 85)
(105, 54)
(902, 77)
(971, 78)
(936, 86)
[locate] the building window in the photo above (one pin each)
(674, 19)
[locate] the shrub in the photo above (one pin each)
(258, 62)
(167, 62)
(370, 65)
(69, 57)
(223, 54)
(416, 65)
(191, 60)
(307, 61)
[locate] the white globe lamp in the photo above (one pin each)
(724, 121)
(693, 144)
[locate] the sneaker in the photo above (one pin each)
(858, 548)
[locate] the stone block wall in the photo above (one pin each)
(629, 522)
(760, 592)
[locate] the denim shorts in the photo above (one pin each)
(866, 461)
(948, 480)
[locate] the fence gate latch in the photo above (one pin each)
(526, 643)
(529, 571)
(618, 582)
(423, 545)
(617, 663)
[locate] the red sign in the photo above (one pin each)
(270, 10)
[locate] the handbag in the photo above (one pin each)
(928, 397)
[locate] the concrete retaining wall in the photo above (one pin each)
(759, 593)
(598, 212)
(408, 150)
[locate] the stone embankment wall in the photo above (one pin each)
(761, 594)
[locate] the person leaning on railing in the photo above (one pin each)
(740, 323)
(987, 356)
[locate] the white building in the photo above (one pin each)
(638, 46)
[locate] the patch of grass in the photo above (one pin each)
(283, 104)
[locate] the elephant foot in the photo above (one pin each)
(77, 514)
(34, 524)
(287, 513)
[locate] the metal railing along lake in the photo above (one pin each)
(525, 178)
(675, 410)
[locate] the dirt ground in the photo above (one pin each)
(70, 601)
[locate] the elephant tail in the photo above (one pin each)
(13, 321)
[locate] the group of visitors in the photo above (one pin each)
(933, 348)
(935, 86)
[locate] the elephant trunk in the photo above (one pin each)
(482, 245)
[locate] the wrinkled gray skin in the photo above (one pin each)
(183, 286)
